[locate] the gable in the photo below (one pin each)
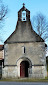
(23, 9)
(24, 33)
(20, 14)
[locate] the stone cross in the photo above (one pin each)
(23, 4)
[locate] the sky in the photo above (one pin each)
(35, 6)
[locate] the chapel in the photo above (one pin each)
(24, 50)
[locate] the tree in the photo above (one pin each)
(3, 13)
(40, 24)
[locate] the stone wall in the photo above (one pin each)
(35, 72)
(39, 72)
(34, 51)
(13, 56)
(1, 54)
(9, 72)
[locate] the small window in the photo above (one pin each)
(24, 16)
(23, 49)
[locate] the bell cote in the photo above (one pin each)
(23, 14)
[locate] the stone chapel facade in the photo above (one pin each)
(24, 50)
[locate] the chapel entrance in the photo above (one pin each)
(24, 65)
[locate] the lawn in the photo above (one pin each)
(26, 80)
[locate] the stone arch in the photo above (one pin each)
(23, 15)
(24, 59)
(21, 59)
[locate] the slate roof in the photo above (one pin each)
(24, 33)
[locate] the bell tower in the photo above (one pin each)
(23, 14)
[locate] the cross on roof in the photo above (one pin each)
(23, 4)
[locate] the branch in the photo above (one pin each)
(40, 24)
(3, 12)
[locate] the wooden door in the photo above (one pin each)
(22, 69)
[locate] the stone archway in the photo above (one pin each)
(24, 61)
(24, 65)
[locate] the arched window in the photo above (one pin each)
(23, 15)
(23, 49)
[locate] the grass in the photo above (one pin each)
(26, 80)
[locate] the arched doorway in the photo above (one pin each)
(24, 65)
